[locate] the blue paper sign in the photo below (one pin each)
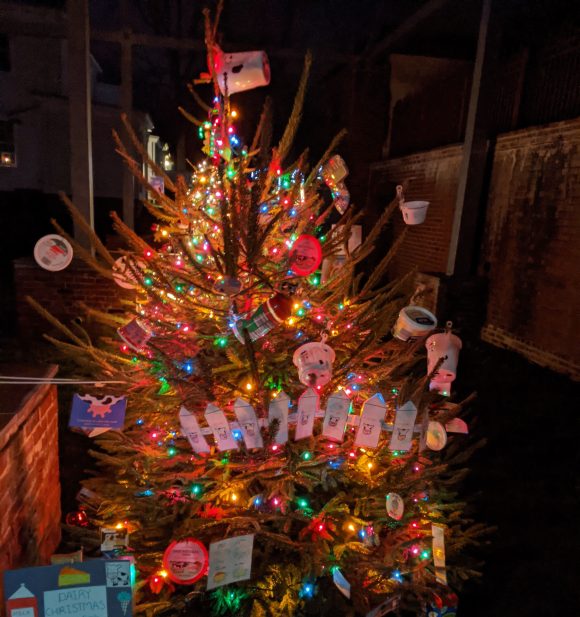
(95, 588)
(98, 412)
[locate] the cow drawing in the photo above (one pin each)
(100, 406)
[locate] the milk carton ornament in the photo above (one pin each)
(314, 363)
(241, 71)
(447, 346)
(414, 212)
(334, 171)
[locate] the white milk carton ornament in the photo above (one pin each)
(314, 363)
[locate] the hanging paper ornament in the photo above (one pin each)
(241, 71)
(395, 506)
(334, 171)
(414, 322)
(436, 436)
(53, 253)
(447, 346)
(305, 255)
(185, 561)
(314, 363)
(124, 276)
(266, 317)
(414, 212)
(228, 285)
(135, 334)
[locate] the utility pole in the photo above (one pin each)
(127, 107)
(80, 130)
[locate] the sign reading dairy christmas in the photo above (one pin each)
(92, 589)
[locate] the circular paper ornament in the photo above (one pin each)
(53, 252)
(185, 561)
(436, 436)
(123, 275)
(305, 255)
(228, 285)
(395, 506)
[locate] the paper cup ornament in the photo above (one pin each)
(135, 334)
(53, 252)
(185, 561)
(124, 275)
(305, 255)
(446, 346)
(241, 71)
(414, 212)
(334, 171)
(414, 322)
(395, 506)
(436, 436)
(314, 363)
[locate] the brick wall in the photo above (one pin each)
(29, 472)
(429, 176)
(532, 245)
(60, 293)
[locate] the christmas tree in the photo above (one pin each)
(268, 404)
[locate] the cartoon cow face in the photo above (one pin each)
(368, 428)
(100, 406)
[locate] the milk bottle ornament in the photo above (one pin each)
(447, 346)
(314, 363)
(241, 71)
(414, 212)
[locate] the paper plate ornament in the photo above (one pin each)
(53, 253)
(185, 561)
(124, 275)
(314, 363)
(395, 506)
(305, 255)
(436, 436)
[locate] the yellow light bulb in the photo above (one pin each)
(351, 527)
(234, 496)
(296, 306)
(163, 573)
(249, 386)
(119, 526)
(370, 465)
(234, 113)
(165, 233)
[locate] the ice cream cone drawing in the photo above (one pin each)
(124, 598)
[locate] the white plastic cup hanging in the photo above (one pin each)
(414, 212)
(414, 322)
(241, 71)
(314, 363)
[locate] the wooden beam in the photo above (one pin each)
(80, 130)
(428, 9)
(462, 246)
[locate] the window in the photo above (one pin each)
(4, 53)
(7, 145)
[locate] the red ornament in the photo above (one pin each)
(77, 519)
(305, 255)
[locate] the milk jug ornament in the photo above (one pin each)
(446, 346)
(314, 363)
